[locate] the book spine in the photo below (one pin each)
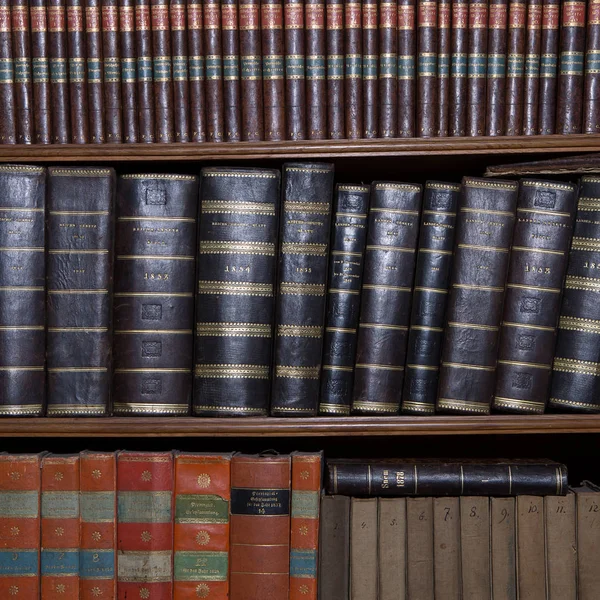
(113, 111)
(235, 306)
(273, 69)
(370, 68)
(307, 198)
(145, 82)
(434, 262)
(154, 287)
(98, 525)
(20, 525)
(214, 71)
(363, 549)
(343, 297)
(295, 80)
(22, 290)
(503, 548)
(388, 69)
(392, 235)
(496, 67)
(304, 535)
(195, 32)
(145, 525)
(79, 283)
(251, 72)
(162, 71)
(231, 71)
(77, 79)
(59, 83)
(444, 46)
(532, 68)
(8, 117)
(94, 71)
(477, 67)
(548, 67)
(446, 544)
(181, 89)
(353, 70)
(588, 535)
(59, 565)
(483, 238)
(427, 65)
(316, 75)
(569, 111)
(392, 548)
(22, 57)
(260, 527)
(531, 556)
(457, 119)
(407, 47)
(335, 70)
(40, 71)
(475, 547)
(419, 567)
(129, 81)
(538, 262)
(517, 18)
(591, 106)
(201, 530)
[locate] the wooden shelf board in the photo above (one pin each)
(296, 427)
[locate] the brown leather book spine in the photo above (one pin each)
(591, 101)
(162, 71)
(40, 72)
(57, 47)
(295, 80)
(444, 18)
(353, 82)
(196, 65)
(532, 67)
(496, 68)
(22, 59)
(477, 67)
(370, 38)
(214, 71)
(273, 69)
(181, 90)
(251, 72)
(128, 71)
(569, 111)
(336, 127)
(112, 72)
(407, 46)
(95, 71)
(316, 74)
(232, 106)
(388, 69)
(77, 78)
(426, 68)
(517, 17)
(457, 109)
(548, 67)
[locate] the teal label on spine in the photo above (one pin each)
(369, 67)
(201, 566)
(571, 63)
(162, 68)
(58, 70)
(459, 65)
(305, 505)
(251, 67)
(97, 506)
(60, 562)
(532, 65)
(303, 563)
(18, 505)
(97, 564)
(272, 67)
(427, 65)
(144, 507)
(388, 66)
(214, 67)
(353, 66)
(198, 508)
(7, 72)
(129, 70)
(16, 563)
(516, 64)
(41, 72)
(496, 65)
(477, 65)
(592, 64)
(196, 67)
(112, 70)
(60, 505)
(548, 65)
(180, 70)
(335, 67)
(76, 70)
(144, 65)
(406, 67)
(94, 70)
(22, 70)
(443, 65)
(231, 67)
(294, 67)
(315, 67)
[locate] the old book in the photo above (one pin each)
(80, 265)
(427, 63)
(591, 97)
(420, 579)
(391, 548)
(538, 262)
(235, 306)
(346, 262)
(40, 69)
(477, 67)
(363, 549)
(145, 524)
(273, 69)
(201, 529)
(470, 346)
(232, 101)
(145, 84)
(295, 89)
(548, 66)
(388, 69)
(407, 68)
(307, 190)
(22, 290)
(98, 525)
(533, 46)
(517, 18)
(94, 72)
(196, 73)
(316, 59)
(113, 107)
(353, 64)
(587, 498)
(334, 557)
(76, 44)
(129, 70)
(503, 548)
(457, 108)
(260, 527)
(162, 71)
(336, 125)
(446, 548)
(154, 294)
(496, 67)
(213, 86)
(432, 277)
(370, 68)
(531, 556)
(386, 294)
(21, 35)
(59, 73)
(475, 547)
(444, 45)
(566, 165)
(181, 90)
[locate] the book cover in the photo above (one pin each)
(145, 82)
(548, 66)
(40, 70)
(531, 556)
(446, 548)
(591, 108)
(197, 76)
(407, 67)
(113, 107)
(420, 578)
(391, 548)
(444, 46)
(295, 59)
(370, 69)
(76, 44)
(363, 549)
(231, 71)
(94, 71)
(8, 116)
(213, 85)
(315, 70)
(427, 67)
(181, 90)
(336, 127)
(533, 47)
(251, 72)
(129, 82)
(59, 72)
(388, 69)
(21, 34)
(503, 548)
(475, 547)
(587, 499)
(477, 67)
(517, 18)
(496, 67)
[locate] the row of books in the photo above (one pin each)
(124, 71)
(305, 300)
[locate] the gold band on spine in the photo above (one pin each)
(585, 284)
(457, 404)
(233, 330)
(311, 249)
(334, 409)
(17, 409)
(526, 405)
(308, 289)
(238, 208)
(138, 407)
(300, 331)
(579, 324)
(254, 248)
(376, 407)
(75, 409)
(581, 367)
(418, 406)
(297, 372)
(317, 208)
(235, 289)
(378, 367)
(232, 371)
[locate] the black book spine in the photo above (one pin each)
(22, 57)
(235, 305)
(517, 18)
(181, 87)
(496, 67)
(387, 288)
(370, 68)
(348, 240)
(79, 290)
(231, 71)
(59, 80)
(22, 290)
(305, 231)
(533, 48)
(129, 83)
(432, 277)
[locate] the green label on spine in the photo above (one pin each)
(58, 70)
(22, 70)
(369, 67)
(112, 70)
(201, 566)
(214, 67)
(443, 65)
(532, 65)
(592, 63)
(406, 67)
(93, 69)
(144, 65)
(180, 70)
(315, 67)
(571, 63)
(427, 65)
(335, 66)
(353, 66)
(294, 67)
(516, 63)
(162, 68)
(548, 65)
(459, 65)
(496, 65)
(251, 67)
(388, 66)
(129, 70)
(196, 67)
(76, 70)
(7, 73)
(477, 65)
(231, 67)
(272, 67)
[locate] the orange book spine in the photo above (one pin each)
(60, 527)
(20, 526)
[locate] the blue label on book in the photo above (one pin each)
(214, 67)
(532, 65)
(22, 70)
(370, 66)
(335, 66)
(20, 504)
(60, 505)
(303, 563)
(388, 66)
(459, 65)
(94, 70)
(477, 65)
(112, 70)
(77, 70)
(17, 563)
(251, 67)
(97, 506)
(129, 70)
(406, 67)
(144, 507)
(571, 63)
(231, 67)
(60, 562)
(162, 68)
(273, 67)
(58, 70)
(497, 65)
(548, 65)
(144, 65)
(427, 65)
(97, 564)
(592, 63)
(196, 67)
(353, 64)
(180, 68)
(516, 65)
(315, 67)
(443, 65)
(294, 66)
(41, 71)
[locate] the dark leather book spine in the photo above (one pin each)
(94, 71)
(162, 71)
(432, 278)
(444, 20)
(407, 48)
(22, 290)
(77, 78)
(304, 250)
(22, 57)
(232, 101)
(336, 125)
(8, 117)
(591, 102)
(40, 72)
(349, 237)
(113, 112)
(532, 67)
(80, 228)
(426, 68)
(457, 118)
(548, 67)
(181, 89)
(477, 68)
(470, 346)
(59, 82)
(196, 58)
(370, 69)
(496, 68)
(316, 74)
(536, 273)
(273, 69)
(214, 71)
(235, 307)
(353, 72)
(131, 127)
(576, 374)
(386, 293)
(155, 246)
(569, 110)
(517, 18)
(251, 72)
(295, 76)
(388, 69)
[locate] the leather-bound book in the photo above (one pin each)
(388, 69)
(419, 548)
(353, 67)
(336, 125)
(457, 109)
(95, 71)
(392, 546)
(113, 111)
(370, 35)
(201, 529)
(20, 486)
(346, 262)
(40, 70)
(232, 101)
(444, 45)
(295, 88)
(22, 290)
(21, 36)
(407, 57)
(569, 109)
(145, 80)
(154, 294)
(236, 279)
(59, 73)
(531, 555)
(181, 90)
(434, 262)
(475, 548)
(316, 74)
(427, 42)
(548, 66)
(8, 116)
(260, 527)
(591, 98)
(470, 346)
(145, 525)
(446, 548)
(77, 76)
(533, 46)
(128, 71)
(587, 498)
(213, 86)
(363, 549)
(477, 67)
(273, 69)
(304, 251)
(98, 525)
(162, 71)
(80, 228)
(387, 288)
(196, 65)
(503, 546)
(517, 17)
(251, 72)
(496, 67)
